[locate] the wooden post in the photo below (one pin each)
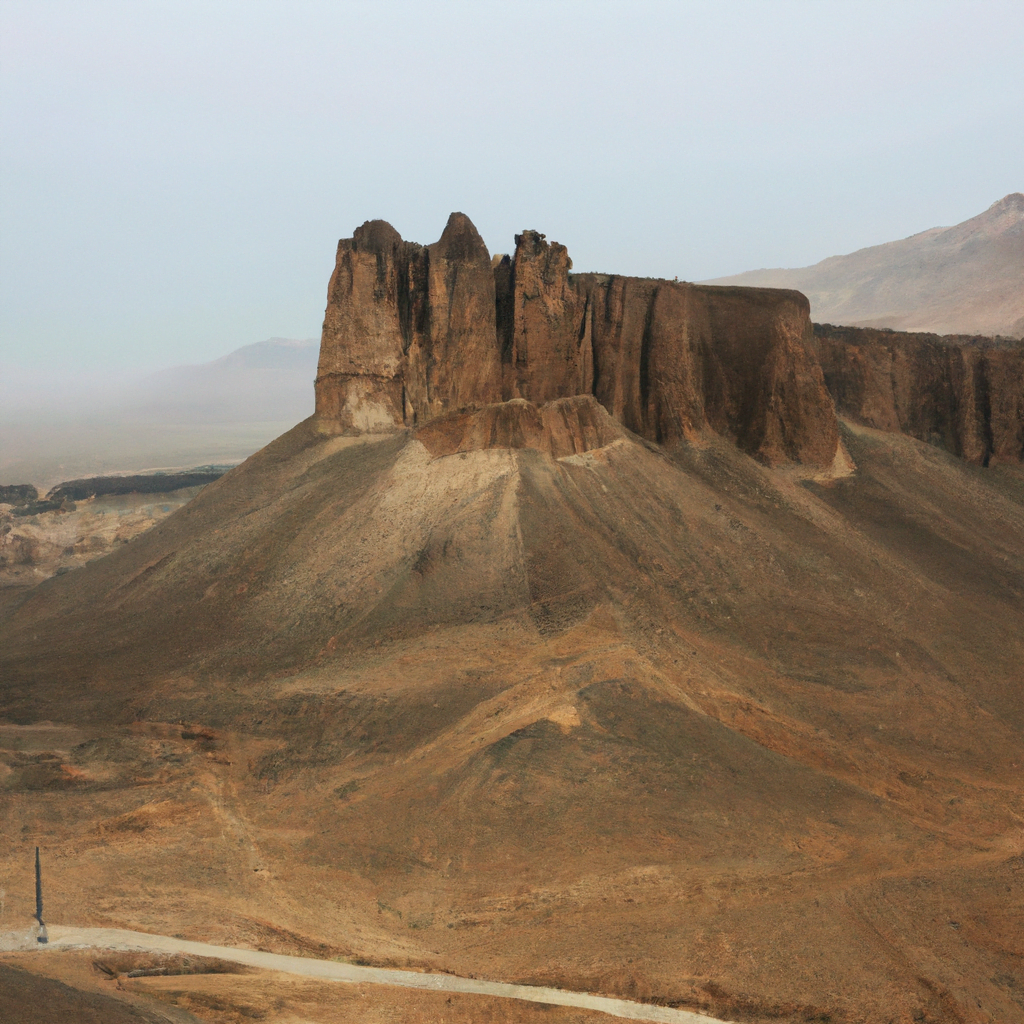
(41, 937)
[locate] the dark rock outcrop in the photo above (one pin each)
(961, 393)
(34, 508)
(144, 483)
(673, 359)
(550, 354)
(17, 494)
(415, 332)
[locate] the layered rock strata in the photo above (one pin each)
(961, 393)
(415, 332)
(562, 428)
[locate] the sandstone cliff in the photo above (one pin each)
(964, 394)
(673, 359)
(414, 332)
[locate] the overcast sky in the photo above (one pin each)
(175, 176)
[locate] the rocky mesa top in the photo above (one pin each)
(415, 332)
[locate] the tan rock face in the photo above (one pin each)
(964, 394)
(35, 547)
(359, 378)
(409, 331)
(416, 332)
(460, 361)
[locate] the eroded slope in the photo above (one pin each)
(524, 696)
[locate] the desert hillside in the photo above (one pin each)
(967, 279)
(576, 640)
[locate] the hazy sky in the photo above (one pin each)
(175, 176)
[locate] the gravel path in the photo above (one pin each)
(330, 970)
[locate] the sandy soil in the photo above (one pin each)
(62, 937)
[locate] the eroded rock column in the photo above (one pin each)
(359, 383)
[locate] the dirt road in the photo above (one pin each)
(116, 938)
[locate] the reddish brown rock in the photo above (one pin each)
(767, 384)
(672, 359)
(961, 393)
(413, 333)
(567, 426)
(548, 355)
(409, 332)
(359, 378)
(453, 362)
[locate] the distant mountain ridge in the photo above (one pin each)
(965, 279)
(272, 354)
(266, 380)
(216, 412)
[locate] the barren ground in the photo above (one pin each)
(667, 726)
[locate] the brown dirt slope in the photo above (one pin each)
(266, 997)
(27, 998)
(528, 697)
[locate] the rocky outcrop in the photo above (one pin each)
(548, 350)
(139, 483)
(415, 332)
(409, 331)
(961, 393)
(367, 327)
(51, 537)
(562, 428)
(670, 360)
(17, 494)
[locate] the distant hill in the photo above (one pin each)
(216, 412)
(267, 380)
(967, 279)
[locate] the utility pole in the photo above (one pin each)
(41, 937)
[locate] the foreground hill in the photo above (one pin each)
(967, 279)
(720, 706)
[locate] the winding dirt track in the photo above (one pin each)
(330, 970)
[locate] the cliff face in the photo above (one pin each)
(409, 330)
(414, 332)
(673, 359)
(961, 393)
(549, 355)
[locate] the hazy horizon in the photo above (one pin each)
(175, 176)
(219, 411)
